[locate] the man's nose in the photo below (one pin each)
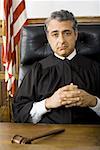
(61, 38)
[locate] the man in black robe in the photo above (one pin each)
(65, 86)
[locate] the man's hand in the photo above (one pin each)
(85, 100)
(69, 96)
(63, 96)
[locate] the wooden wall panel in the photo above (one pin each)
(83, 20)
(4, 102)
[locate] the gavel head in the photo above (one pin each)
(20, 140)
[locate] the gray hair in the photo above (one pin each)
(62, 15)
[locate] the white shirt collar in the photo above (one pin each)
(69, 57)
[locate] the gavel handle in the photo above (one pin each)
(55, 131)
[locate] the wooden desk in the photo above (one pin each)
(75, 137)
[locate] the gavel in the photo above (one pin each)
(25, 140)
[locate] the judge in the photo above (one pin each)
(65, 86)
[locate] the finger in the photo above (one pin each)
(76, 103)
(70, 105)
(79, 103)
(70, 101)
(70, 94)
(69, 87)
(72, 86)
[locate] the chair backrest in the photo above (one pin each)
(34, 45)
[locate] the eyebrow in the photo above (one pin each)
(53, 31)
(66, 30)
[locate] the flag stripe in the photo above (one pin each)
(16, 4)
(17, 37)
(18, 11)
(19, 23)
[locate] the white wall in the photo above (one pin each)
(42, 8)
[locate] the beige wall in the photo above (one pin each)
(42, 8)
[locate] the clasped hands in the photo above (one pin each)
(69, 96)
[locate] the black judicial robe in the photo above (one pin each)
(45, 77)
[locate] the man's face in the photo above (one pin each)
(61, 37)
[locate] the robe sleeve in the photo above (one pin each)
(25, 96)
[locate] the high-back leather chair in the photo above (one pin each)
(34, 45)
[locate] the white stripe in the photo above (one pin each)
(9, 29)
(11, 68)
(10, 82)
(10, 20)
(11, 15)
(12, 44)
(16, 3)
(6, 72)
(19, 23)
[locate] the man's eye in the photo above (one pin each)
(55, 35)
(67, 33)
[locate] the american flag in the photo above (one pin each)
(15, 18)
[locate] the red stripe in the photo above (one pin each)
(11, 29)
(13, 88)
(18, 11)
(3, 55)
(7, 6)
(12, 56)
